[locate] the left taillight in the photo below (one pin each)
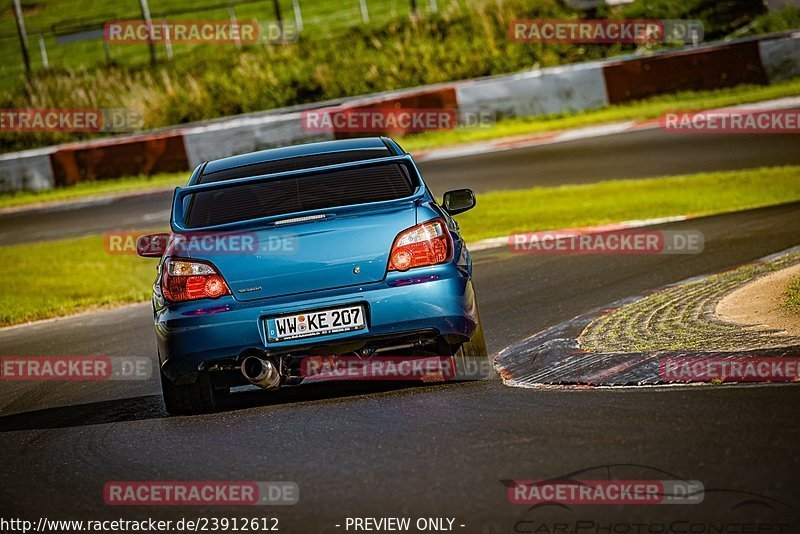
(191, 280)
(425, 244)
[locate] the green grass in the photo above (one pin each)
(88, 189)
(43, 16)
(64, 277)
(462, 41)
(465, 39)
(645, 110)
(58, 278)
(326, 18)
(652, 108)
(773, 21)
(792, 301)
(546, 208)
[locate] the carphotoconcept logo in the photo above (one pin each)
(200, 493)
(577, 495)
(23, 368)
(70, 120)
(619, 242)
(601, 31)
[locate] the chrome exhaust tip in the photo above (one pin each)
(262, 373)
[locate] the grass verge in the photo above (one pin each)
(644, 110)
(547, 208)
(89, 189)
(792, 301)
(88, 277)
(68, 276)
(464, 39)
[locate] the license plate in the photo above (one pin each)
(316, 323)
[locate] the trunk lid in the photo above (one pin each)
(327, 253)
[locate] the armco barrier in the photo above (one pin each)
(539, 92)
(554, 90)
(100, 160)
(220, 140)
(690, 70)
(26, 171)
(781, 57)
(442, 97)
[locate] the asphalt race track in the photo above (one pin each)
(636, 154)
(428, 451)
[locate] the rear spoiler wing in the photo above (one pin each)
(181, 196)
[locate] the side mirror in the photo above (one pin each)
(152, 245)
(458, 201)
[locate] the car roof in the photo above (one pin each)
(300, 156)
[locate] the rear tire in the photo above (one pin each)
(184, 399)
(475, 347)
(472, 358)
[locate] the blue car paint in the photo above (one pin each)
(440, 299)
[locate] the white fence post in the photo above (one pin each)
(298, 15)
(234, 24)
(43, 52)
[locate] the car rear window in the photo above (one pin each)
(293, 164)
(287, 195)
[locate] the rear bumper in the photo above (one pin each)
(437, 301)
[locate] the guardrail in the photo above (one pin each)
(760, 60)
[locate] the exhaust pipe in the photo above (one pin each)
(262, 373)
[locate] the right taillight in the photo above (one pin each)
(425, 244)
(191, 280)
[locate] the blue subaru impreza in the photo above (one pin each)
(325, 249)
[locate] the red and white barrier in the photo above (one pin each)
(239, 136)
(29, 170)
(538, 92)
(579, 87)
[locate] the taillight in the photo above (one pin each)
(425, 244)
(191, 280)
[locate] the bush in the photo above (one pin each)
(464, 40)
